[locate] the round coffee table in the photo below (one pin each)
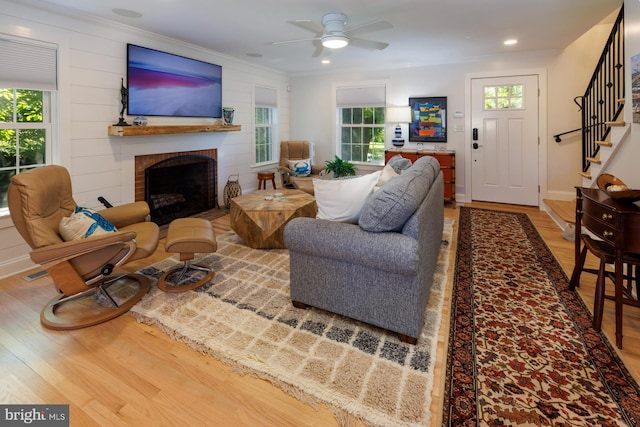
(260, 222)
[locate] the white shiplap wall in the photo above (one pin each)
(91, 62)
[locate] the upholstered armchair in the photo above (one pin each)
(291, 151)
(84, 270)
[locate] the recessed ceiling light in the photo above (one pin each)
(127, 13)
(510, 42)
(326, 61)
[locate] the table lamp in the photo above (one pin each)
(398, 115)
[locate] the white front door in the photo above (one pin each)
(505, 140)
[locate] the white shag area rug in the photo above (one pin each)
(244, 318)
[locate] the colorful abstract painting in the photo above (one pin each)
(428, 120)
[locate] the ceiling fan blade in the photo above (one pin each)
(293, 41)
(368, 28)
(367, 44)
(320, 51)
(314, 27)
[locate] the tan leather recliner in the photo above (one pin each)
(297, 150)
(38, 199)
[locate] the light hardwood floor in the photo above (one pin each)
(122, 373)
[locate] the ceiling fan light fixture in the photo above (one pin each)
(335, 41)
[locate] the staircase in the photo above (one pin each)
(604, 129)
(606, 150)
(563, 212)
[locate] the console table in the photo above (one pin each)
(447, 160)
(617, 223)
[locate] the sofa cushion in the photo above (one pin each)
(82, 223)
(399, 163)
(342, 199)
(300, 167)
(427, 165)
(391, 206)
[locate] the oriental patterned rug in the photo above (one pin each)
(244, 318)
(522, 350)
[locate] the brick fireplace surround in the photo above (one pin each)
(144, 161)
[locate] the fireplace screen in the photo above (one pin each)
(180, 187)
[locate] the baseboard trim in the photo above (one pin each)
(16, 266)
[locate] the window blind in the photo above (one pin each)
(27, 65)
(266, 97)
(364, 96)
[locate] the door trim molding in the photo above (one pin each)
(541, 73)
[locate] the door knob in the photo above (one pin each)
(475, 146)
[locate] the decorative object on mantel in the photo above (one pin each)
(124, 95)
(227, 114)
(231, 190)
(140, 121)
(398, 115)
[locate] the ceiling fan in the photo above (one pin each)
(332, 34)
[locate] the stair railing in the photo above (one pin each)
(600, 103)
(606, 87)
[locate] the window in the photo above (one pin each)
(265, 121)
(27, 83)
(362, 134)
(25, 128)
(361, 124)
(264, 134)
(504, 97)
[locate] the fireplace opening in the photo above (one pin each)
(180, 186)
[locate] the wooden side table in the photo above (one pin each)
(617, 225)
(265, 176)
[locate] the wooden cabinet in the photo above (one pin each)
(447, 160)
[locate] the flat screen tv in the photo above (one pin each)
(163, 84)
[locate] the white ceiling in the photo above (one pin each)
(424, 32)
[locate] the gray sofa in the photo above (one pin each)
(380, 270)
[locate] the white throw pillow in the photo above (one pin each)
(300, 167)
(342, 199)
(387, 173)
(84, 222)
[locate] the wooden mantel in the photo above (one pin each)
(171, 129)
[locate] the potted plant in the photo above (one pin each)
(340, 167)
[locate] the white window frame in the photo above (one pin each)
(361, 126)
(46, 124)
(358, 95)
(266, 97)
(504, 101)
(32, 65)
